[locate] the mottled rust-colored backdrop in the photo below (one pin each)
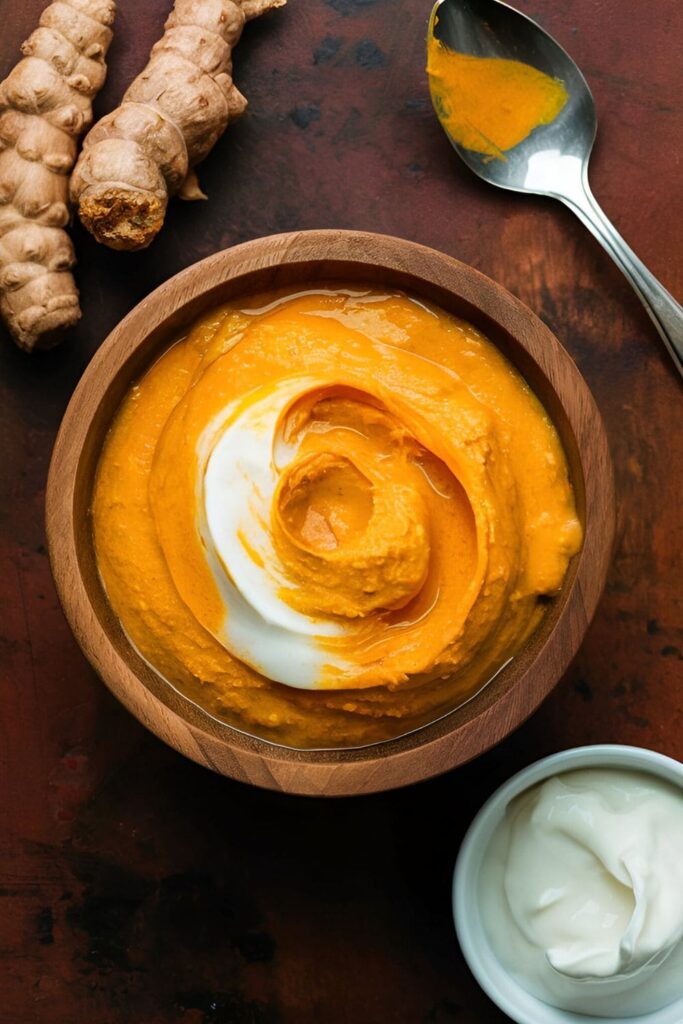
(138, 887)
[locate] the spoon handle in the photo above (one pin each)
(664, 311)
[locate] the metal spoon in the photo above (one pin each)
(553, 159)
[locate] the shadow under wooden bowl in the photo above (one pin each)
(302, 259)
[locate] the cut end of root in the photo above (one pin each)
(121, 219)
(46, 331)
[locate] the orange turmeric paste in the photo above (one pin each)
(488, 104)
(330, 516)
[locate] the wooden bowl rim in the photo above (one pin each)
(193, 731)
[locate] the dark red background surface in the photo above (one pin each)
(136, 886)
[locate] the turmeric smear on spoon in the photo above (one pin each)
(489, 104)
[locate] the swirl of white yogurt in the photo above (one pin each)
(242, 455)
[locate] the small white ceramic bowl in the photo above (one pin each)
(493, 977)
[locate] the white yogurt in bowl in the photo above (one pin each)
(568, 890)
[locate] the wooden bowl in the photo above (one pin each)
(303, 258)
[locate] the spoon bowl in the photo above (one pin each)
(486, 28)
(553, 159)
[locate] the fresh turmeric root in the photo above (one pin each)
(45, 105)
(139, 155)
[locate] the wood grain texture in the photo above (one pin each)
(138, 886)
(299, 260)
